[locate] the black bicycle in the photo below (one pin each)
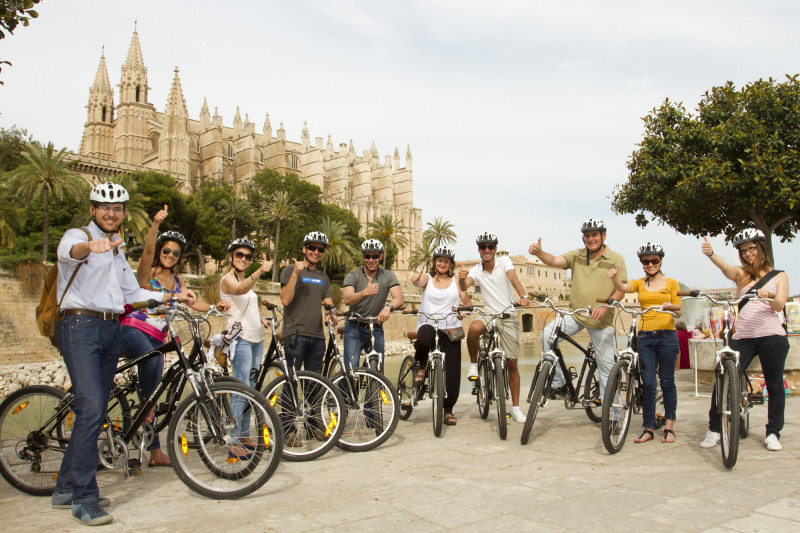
(223, 438)
(311, 409)
(545, 372)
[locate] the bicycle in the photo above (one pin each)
(310, 407)
(492, 382)
(204, 434)
(371, 400)
(734, 394)
(546, 371)
(410, 392)
(624, 388)
(372, 358)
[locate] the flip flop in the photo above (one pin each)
(449, 419)
(153, 464)
(638, 440)
(664, 438)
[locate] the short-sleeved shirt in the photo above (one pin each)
(590, 281)
(496, 289)
(370, 305)
(654, 320)
(304, 314)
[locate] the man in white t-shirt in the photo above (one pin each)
(498, 281)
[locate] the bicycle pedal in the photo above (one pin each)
(756, 398)
(572, 372)
(134, 467)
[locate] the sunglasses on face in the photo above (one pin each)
(167, 251)
(483, 247)
(646, 262)
(371, 256)
(242, 255)
(313, 248)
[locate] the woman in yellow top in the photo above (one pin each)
(657, 339)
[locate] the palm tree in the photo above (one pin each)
(280, 208)
(388, 231)
(137, 220)
(234, 209)
(341, 250)
(440, 232)
(422, 255)
(46, 172)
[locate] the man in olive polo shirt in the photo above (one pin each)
(590, 266)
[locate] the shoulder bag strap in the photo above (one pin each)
(760, 283)
(74, 272)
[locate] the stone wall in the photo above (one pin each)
(21, 341)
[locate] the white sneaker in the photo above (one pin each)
(711, 440)
(517, 414)
(472, 374)
(772, 442)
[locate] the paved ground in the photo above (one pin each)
(470, 480)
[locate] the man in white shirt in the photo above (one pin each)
(88, 335)
(497, 280)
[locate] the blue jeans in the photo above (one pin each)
(659, 346)
(135, 343)
(90, 348)
(308, 353)
(355, 335)
(246, 363)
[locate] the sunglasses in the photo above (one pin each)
(646, 262)
(486, 247)
(312, 248)
(167, 251)
(371, 256)
(240, 255)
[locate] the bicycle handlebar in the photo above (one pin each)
(725, 302)
(610, 303)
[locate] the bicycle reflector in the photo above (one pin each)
(20, 407)
(273, 400)
(331, 425)
(384, 398)
(184, 445)
(265, 432)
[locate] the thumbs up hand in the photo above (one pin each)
(706, 248)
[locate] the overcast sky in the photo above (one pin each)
(520, 115)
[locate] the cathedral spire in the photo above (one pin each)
(267, 128)
(237, 123)
(133, 81)
(176, 104)
(101, 82)
(134, 59)
(304, 137)
(205, 116)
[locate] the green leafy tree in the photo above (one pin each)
(234, 209)
(137, 221)
(12, 144)
(341, 252)
(422, 255)
(46, 173)
(732, 165)
(281, 209)
(389, 231)
(10, 219)
(440, 232)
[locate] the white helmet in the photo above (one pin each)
(241, 243)
(372, 245)
(486, 237)
(444, 251)
(593, 224)
(650, 248)
(109, 193)
(316, 237)
(748, 235)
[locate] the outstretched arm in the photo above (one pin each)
(546, 258)
(143, 271)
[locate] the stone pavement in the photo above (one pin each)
(470, 480)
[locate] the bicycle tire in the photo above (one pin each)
(406, 391)
(321, 420)
(500, 390)
(617, 406)
(538, 388)
(273, 372)
(437, 395)
(483, 399)
(30, 454)
(591, 391)
(333, 368)
(375, 420)
(744, 425)
(730, 404)
(209, 466)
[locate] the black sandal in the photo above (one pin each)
(419, 378)
(449, 419)
(639, 440)
(664, 438)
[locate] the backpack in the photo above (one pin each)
(48, 311)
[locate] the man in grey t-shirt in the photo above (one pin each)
(365, 290)
(304, 289)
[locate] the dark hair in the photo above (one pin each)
(450, 271)
(157, 257)
(761, 262)
(680, 325)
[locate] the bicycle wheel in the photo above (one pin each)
(660, 417)
(482, 393)
(730, 402)
(405, 386)
(273, 372)
(334, 368)
(617, 406)
(537, 396)
(34, 433)
(500, 391)
(591, 393)
(375, 418)
(207, 446)
(437, 395)
(744, 425)
(316, 425)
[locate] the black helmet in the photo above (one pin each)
(486, 237)
(748, 235)
(593, 224)
(444, 251)
(650, 248)
(241, 243)
(316, 237)
(172, 236)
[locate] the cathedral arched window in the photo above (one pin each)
(294, 161)
(155, 138)
(230, 150)
(137, 93)
(103, 119)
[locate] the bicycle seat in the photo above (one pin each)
(340, 330)
(412, 335)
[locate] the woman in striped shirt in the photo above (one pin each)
(759, 330)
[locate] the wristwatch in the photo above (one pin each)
(390, 306)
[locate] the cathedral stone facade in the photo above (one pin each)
(134, 136)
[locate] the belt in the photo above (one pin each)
(365, 324)
(87, 312)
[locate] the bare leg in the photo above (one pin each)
(513, 381)
(473, 339)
